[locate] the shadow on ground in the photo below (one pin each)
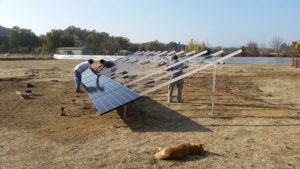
(198, 157)
(147, 115)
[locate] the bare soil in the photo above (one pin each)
(257, 126)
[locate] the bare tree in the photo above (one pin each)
(276, 43)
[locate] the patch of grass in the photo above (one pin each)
(152, 161)
(275, 68)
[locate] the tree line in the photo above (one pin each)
(21, 40)
(278, 48)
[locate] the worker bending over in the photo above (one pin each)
(106, 64)
(79, 69)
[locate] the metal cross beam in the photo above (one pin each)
(189, 73)
(161, 70)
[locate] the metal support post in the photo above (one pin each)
(213, 91)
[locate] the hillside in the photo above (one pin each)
(3, 30)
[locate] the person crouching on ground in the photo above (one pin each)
(178, 83)
(79, 69)
(107, 64)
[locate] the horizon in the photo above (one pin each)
(228, 24)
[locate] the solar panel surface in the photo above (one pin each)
(105, 93)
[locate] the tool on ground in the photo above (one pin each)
(62, 111)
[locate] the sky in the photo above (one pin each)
(227, 23)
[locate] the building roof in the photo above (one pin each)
(72, 48)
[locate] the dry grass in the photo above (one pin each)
(257, 127)
(25, 56)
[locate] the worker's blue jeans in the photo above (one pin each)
(77, 77)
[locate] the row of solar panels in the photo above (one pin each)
(138, 75)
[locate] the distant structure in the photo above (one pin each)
(74, 51)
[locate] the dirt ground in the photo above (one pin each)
(257, 125)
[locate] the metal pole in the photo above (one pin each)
(155, 69)
(213, 91)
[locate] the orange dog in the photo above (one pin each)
(179, 151)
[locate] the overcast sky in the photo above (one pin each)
(219, 22)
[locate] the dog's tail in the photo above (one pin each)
(162, 156)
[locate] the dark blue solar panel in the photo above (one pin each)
(105, 93)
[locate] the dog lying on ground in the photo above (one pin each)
(179, 151)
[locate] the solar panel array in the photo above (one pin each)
(109, 91)
(105, 93)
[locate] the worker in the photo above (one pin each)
(79, 69)
(178, 83)
(107, 64)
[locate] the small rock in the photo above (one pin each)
(115, 126)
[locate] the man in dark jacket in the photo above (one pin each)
(106, 64)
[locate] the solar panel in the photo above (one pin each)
(105, 93)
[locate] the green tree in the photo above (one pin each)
(94, 40)
(297, 46)
(133, 47)
(155, 46)
(3, 44)
(123, 42)
(22, 40)
(58, 38)
(4, 30)
(243, 50)
(172, 46)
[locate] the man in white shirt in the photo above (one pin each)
(79, 69)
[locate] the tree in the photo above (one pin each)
(297, 46)
(155, 46)
(252, 48)
(123, 42)
(110, 46)
(22, 40)
(262, 49)
(194, 46)
(58, 38)
(243, 50)
(3, 43)
(276, 43)
(3, 30)
(172, 46)
(94, 42)
(133, 47)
